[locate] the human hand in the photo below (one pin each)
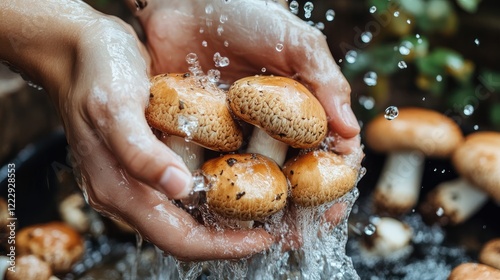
(100, 86)
(253, 35)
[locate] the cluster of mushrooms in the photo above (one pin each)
(252, 177)
(408, 140)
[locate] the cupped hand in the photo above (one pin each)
(257, 37)
(124, 171)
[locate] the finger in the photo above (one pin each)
(159, 221)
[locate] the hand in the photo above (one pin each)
(253, 35)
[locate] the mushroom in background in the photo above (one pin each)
(474, 271)
(245, 187)
(390, 239)
(72, 212)
(284, 113)
(192, 114)
(55, 243)
(490, 253)
(30, 267)
(319, 177)
(477, 161)
(415, 134)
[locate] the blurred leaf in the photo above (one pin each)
(495, 115)
(490, 79)
(381, 5)
(461, 95)
(414, 7)
(469, 5)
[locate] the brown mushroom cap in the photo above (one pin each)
(179, 98)
(245, 186)
(282, 107)
(318, 177)
(29, 267)
(490, 253)
(55, 243)
(427, 131)
(469, 271)
(478, 160)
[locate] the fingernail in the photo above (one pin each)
(176, 183)
(348, 117)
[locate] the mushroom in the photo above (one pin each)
(389, 240)
(72, 212)
(193, 114)
(490, 253)
(408, 139)
(245, 187)
(55, 243)
(317, 177)
(477, 161)
(30, 267)
(283, 112)
(474, 271)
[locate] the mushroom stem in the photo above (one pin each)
(398, 188)
(261, 143)
(191, 153)
(390, 240)
(454, 202)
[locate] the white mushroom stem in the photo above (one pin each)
(4, 265)
(398, 188)
(391, 239)
(261, 143)
(191, 153)
(457, 200)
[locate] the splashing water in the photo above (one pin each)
(279, 47)
(476, 41)
(373, 9)
(294, 7)
(351, 56)
(220, 61)
(391, 113)
(366, 37)
(213, 75)
(402, 65)
(187, 124)
(330, 15)
(308, 8)
(405, 47)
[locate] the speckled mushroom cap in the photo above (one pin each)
(29, 267)
(55, 243)
(318, 177)
(180, 104)
(245, 186)
(468, 271)
(478, 160)
(282, 107)
(490, 253)
(427, 131)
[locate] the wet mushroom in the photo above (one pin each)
(415, 134)
(390, 239)
(72, 212)
(474, 271)
(477, 161)
(30, 267)
(245, 187)
(192, 114)
(55, 243)
(318, 177)
(284, 113)
(490, 253)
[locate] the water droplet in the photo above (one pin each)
(308, 7)
(468, 110)
(370, 229)
(340, 60)
(220, 61)
(367, 102)
(439, 78)
(351, 56)
(391, 112)
(423, 98)
(373, 9)
(476, 127)
(330, 15)
(443, 171)
(202, 30)
(209, 9)
(417, 36)
(204, 43)
(366, 37)
(294, 7)
(191, 58)
(370, 78)
(396, 14)
(33, 85)
(408, 21)
(223, 18)
(279, 47)
(320, 25)
(440, 212)
(226, 43)
(402, 65)
(405, 47)
(187, 124)
(476, 41)
(220, 29)
(213, 75)
(263, 70)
